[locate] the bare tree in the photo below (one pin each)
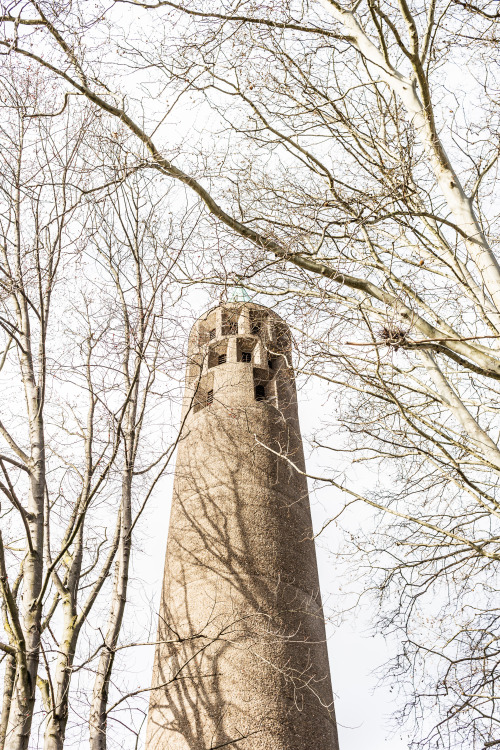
(35, 220)
(352, 173)
(140, 252)
(87, 291)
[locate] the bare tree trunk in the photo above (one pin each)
(98, 711)
(28, 639)
(23, 700)
(55, 731)
(8, 688)
(98, 715)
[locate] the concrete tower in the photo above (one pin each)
(241, 660)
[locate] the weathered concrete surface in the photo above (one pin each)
(242, 660)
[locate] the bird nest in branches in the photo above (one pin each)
(394, 336)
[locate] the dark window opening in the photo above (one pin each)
(260, 393)
(282, 337)
(217, 355)
(283, 343)
(257, 322)
(211, 334)
(230, 323)
(210, 398)
(246, 356)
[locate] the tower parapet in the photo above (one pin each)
(241, 660)
(254, 344)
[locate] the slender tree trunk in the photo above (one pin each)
(98, 710)
(8, 688)
(28, 645)
(55, 731)
(23, 700)
(98, 716)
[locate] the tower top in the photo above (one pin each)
(239, 317)
(239, 353)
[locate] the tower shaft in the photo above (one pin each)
(241, 660)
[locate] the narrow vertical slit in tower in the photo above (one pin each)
(260, 392)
